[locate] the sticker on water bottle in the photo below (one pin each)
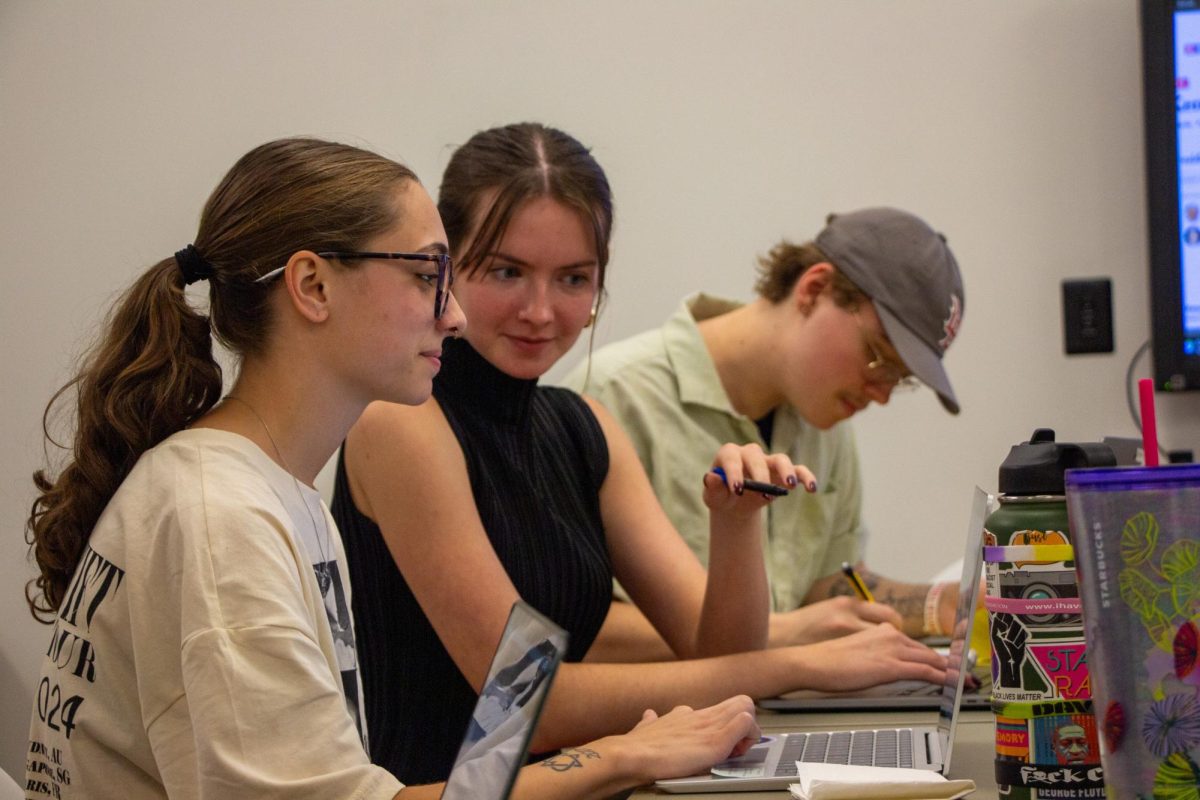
(1035, 663)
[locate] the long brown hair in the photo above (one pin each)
(520, 162)
(152, 372)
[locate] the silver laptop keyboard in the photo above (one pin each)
(882, 748)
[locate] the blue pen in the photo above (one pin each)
(753, 486)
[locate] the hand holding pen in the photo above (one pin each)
(857, 583)
(747, 472)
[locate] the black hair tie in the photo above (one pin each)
(192, 265)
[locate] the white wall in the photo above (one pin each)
(1014, 127)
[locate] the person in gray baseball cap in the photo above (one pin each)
(908, 273)
(867, 308)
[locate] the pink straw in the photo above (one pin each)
(1149, 426)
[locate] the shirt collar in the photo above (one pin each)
(699, 383)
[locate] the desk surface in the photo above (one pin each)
(973, 755)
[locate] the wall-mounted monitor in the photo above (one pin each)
(1171, 80)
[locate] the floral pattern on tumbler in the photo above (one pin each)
(1172, 725)
(1166, 595)
(1176, 779)
(1137, 542)
(1185, 649)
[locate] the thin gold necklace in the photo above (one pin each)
(295, 481)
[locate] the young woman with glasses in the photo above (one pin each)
(500, 488)
(202, 641)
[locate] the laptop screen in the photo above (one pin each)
(518, 681)
(958, 661)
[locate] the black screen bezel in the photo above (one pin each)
(1173, 369)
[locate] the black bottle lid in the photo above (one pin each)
(1037, 466)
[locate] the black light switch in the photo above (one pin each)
(1087, 316)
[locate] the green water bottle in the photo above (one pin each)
(1033, 512)
(1033, 509)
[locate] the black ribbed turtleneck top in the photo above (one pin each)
(536, 458)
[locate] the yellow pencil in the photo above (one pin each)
(860, 588)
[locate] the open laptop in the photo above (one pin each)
(518, 681)
(901, 695)
(771, 764)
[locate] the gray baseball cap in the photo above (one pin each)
(909, 273)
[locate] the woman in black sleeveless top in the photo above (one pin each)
(536, 460)
(504, 489)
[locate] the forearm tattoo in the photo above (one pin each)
(842, 588)
(570, 758)
(908, 599)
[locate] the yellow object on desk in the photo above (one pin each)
(856, 581)
(981, 643)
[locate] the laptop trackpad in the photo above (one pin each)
(751, 764)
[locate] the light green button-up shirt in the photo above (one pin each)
(663, 388)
